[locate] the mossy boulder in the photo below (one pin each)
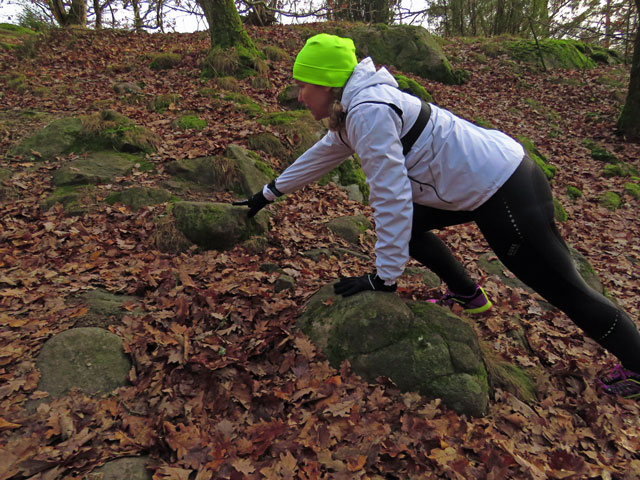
(564, 54)
(296, 128)
(409, 48)
(239, 170)
(288, 98)
(12, 36)
(631, 188)
(529, 147)
(104, 308)
(269, 144)
(107, 130)
(75, 199)
(350, 228)
(574, 192)
(423, 348)
(139, 197)
(124, 468)
(89, 359)
(412, 87)
(217, 226)
(94, 168)
(622, 169)
(349, 175)
(610, 200)
(165, 60)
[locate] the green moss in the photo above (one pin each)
(244, 104)
(349, 172)
(632, 189)
(268, 143)
(164, 61)
(414, 88)
(610, 200)
(481, 122)
(237, 61)
(17, 82)
(556, 53)
(162, 102)
(138, 197)
(191, 122)
(266, 169)
(622, 169)
(598, 152)
(574, 192)
(548, 169)
(559, 211)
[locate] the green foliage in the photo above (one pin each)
(610, 200)
(412, 87)
(574, 192)
(165, 61)
(162, 102)
(548, 169)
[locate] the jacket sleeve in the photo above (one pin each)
(309, 167)
(374, 131)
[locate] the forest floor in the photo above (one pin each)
(224, 386)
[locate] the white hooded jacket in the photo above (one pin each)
(453, 165)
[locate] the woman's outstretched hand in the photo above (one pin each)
(351, 285)
(256, 203)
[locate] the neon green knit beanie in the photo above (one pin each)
(326, 60)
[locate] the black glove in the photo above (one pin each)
(255, 203)
(351, 285)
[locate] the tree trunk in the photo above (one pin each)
(629, 122)
(225, 25)
(76, 16)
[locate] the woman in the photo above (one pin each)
(428, 169)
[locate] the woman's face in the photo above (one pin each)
(317, 98)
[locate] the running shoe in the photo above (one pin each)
(472, 304)
(623, 382)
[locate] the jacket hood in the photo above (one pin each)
(363, 76)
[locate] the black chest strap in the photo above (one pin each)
(414, 132)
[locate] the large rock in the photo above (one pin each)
(350, 228)
(94, 168)
(107, 130)
(240, 171)
(421, 347)
(105, 308)
(125, 468)
(139, 197)
(217, 226)
(89, 359)
(408, 48)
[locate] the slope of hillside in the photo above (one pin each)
(224, 386)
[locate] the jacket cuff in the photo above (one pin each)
(270, 191)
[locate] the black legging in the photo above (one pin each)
(518, 223)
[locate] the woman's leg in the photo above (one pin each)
(427, 248)
(518, 222)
